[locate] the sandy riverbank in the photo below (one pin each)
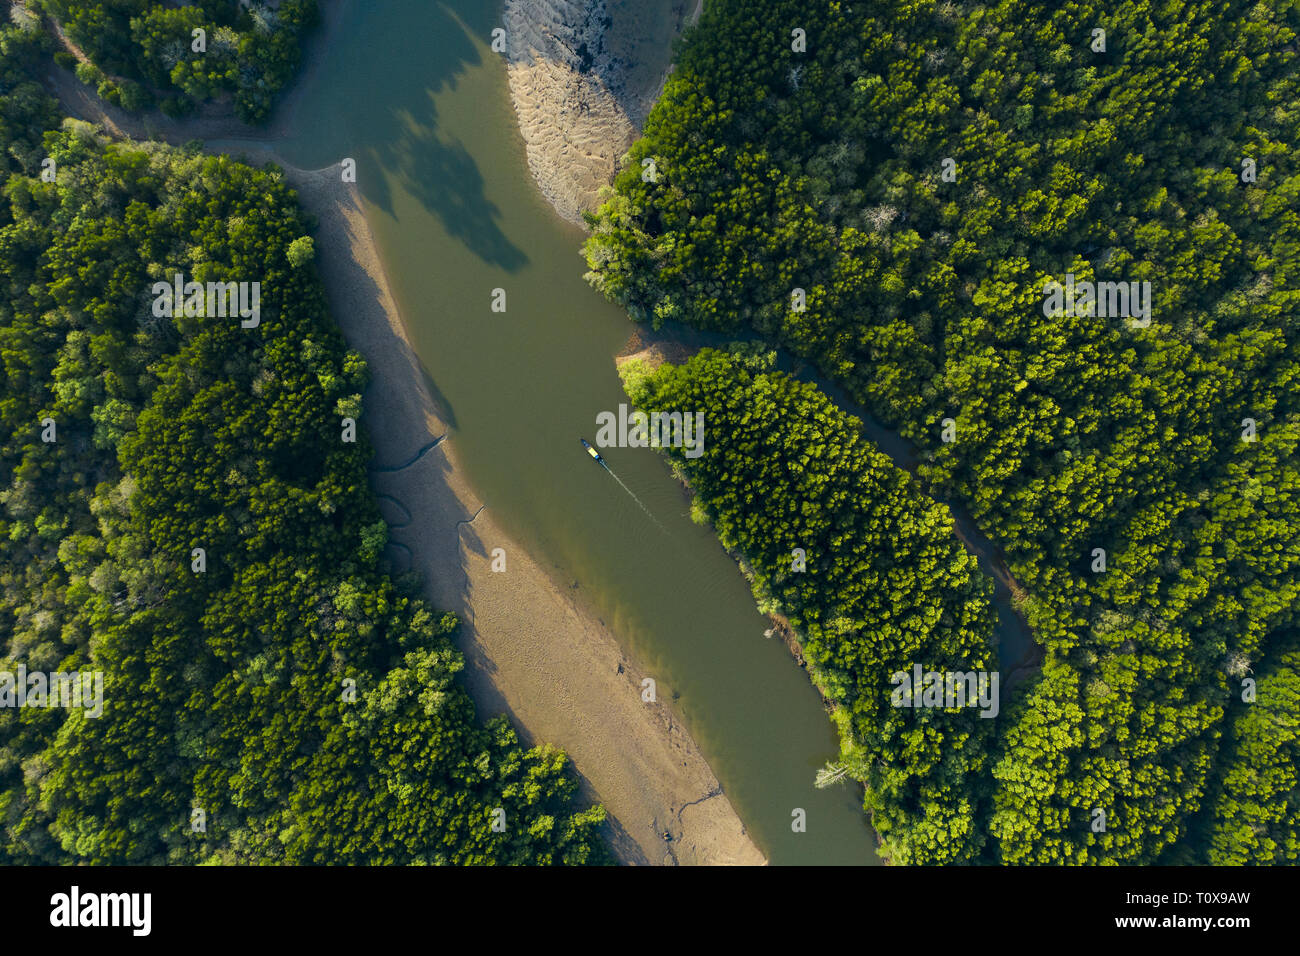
(583, 77)
(532, 651)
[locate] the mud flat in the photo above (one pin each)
(583, 77)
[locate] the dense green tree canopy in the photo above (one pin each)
(921, 172)
(279, 682)
(868, 572)
(142, 49)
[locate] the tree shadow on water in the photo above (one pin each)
(414, 50)
(447, 181)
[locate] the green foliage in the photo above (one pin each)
(886, 584)
(89, 74)
(1256, 811)
(229, 690)
(301, 251)
(249, 51)
(25, 110)
(823, 171)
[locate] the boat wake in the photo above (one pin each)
(596, 456)
(633, 496)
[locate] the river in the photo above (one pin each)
(411, 90)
